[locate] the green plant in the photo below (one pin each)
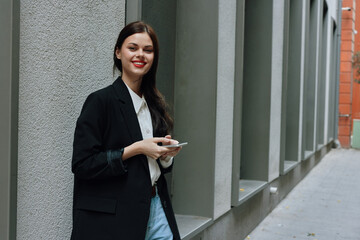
(356, 66)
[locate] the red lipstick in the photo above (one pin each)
(139, 64)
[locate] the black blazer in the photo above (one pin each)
(112, 197)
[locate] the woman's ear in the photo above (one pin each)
(118, 53)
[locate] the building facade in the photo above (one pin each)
(253, 87)
(346, 72)
(349, 90)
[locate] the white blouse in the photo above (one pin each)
(145, 122)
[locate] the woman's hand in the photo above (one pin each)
(150, 148)
(173, 152)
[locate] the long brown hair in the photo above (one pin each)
(161, 120)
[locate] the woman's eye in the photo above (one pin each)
(132, 48)
(148, 50)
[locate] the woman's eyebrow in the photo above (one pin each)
(135, 44)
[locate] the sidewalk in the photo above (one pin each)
(323, 206)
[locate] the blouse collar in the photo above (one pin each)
(137, 101)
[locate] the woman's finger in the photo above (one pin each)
(162, 140)
(173, 153)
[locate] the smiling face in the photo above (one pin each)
(136, 55)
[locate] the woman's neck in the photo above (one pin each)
(133, 84)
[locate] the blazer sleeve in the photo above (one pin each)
(90, 158)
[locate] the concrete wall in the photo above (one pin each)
(65, 53)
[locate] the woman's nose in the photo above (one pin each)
(140, 53)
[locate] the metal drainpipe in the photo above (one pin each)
(338, 69)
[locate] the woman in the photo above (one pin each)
(119, 189)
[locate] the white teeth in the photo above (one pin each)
(139, 63)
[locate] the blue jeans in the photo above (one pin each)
(158, 226)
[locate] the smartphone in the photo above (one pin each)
(175, 145)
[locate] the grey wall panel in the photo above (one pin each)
(9, 93)
(224, 106)
(322, 78)
(5, 120)
(312, 75)
(238, 85)
(195, 106)
(256, 90)
(278, 88)
(294, 80)
(304, 75)
(333, 84)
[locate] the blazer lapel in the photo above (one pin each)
(128, 112)
(127, 109)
